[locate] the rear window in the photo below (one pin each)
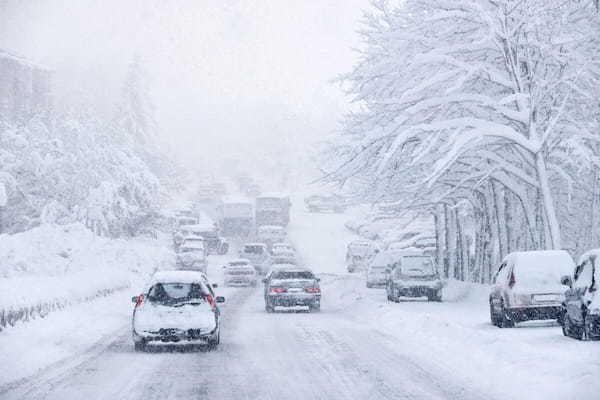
(542, 268)
(238, 263)
(239, 272)
(191, 249)
(253, 249)
(417, 266)
(293, 275)
(168, 293)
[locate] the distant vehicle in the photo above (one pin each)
(192, 255)
(273, 209)
(527, 286)
(239, 273)
(258, 254)
(281, 246)
(236, 216)
(179, 307)
(414, 276)
(359, 253)
(581, 307)
(270, 234)
(325, 202)
(214, 243)
(292, 287)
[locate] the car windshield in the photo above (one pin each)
(293, 275)
(414, 266)
(237, 263)
(254, 249)
(191, 250)
(170, 293)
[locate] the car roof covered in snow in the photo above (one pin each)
(239, 261)
(273, 195)
(174, 276)
(542, 259)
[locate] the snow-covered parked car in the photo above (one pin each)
(178, 307)
(359, 253)
(379, 268)
(581, 307)
(239, 272)
(527, 286)
(192, 256)
(292, 287)
(259, 256)
(414, 275)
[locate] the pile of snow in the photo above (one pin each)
(54, 266)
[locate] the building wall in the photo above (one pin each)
(25, 89)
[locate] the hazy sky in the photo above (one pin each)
(250, 77)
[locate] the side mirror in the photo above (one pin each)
(566, 280)
(134, 299)
(264, 280)
(220, 299)
(214, 285)
(318, 279)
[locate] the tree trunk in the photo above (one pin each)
(548, 203)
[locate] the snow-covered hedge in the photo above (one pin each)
(51, 267)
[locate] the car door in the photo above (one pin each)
(582, 279)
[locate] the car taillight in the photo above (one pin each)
(211, 301)
(312, 290)
(512, 280)
(139, 301)
(278, 290)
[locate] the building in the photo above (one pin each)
(25, 88)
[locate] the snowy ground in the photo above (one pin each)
(359, 346)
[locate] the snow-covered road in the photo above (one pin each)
(359, 346)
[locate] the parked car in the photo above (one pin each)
(379, 269)
(292, 287)
(270, 234)
(359, 254)
(581, 307)
(239, 273)
(325, 202)
(526, 287)
(178, 307)
(192, 256)
(258, 254)
(414, 275)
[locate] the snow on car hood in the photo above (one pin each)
(151, 317)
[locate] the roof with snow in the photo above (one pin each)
(179, 277)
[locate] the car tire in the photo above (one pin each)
(314, 308)
(369, 286)
(566, 326)
(505, 321)
(269, 308)
(214, 343)
(139, 346)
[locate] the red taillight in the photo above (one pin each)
(512, 280)
(278, 290)
(211, 301)
(312, 290)
(139, 301)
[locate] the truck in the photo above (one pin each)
(236, 216)
(273, 209)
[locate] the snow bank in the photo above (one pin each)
(51, 267)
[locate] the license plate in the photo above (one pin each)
(295, 290)
(542, 298)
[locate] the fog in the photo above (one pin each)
(240, 79)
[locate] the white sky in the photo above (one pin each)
(232, 76)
